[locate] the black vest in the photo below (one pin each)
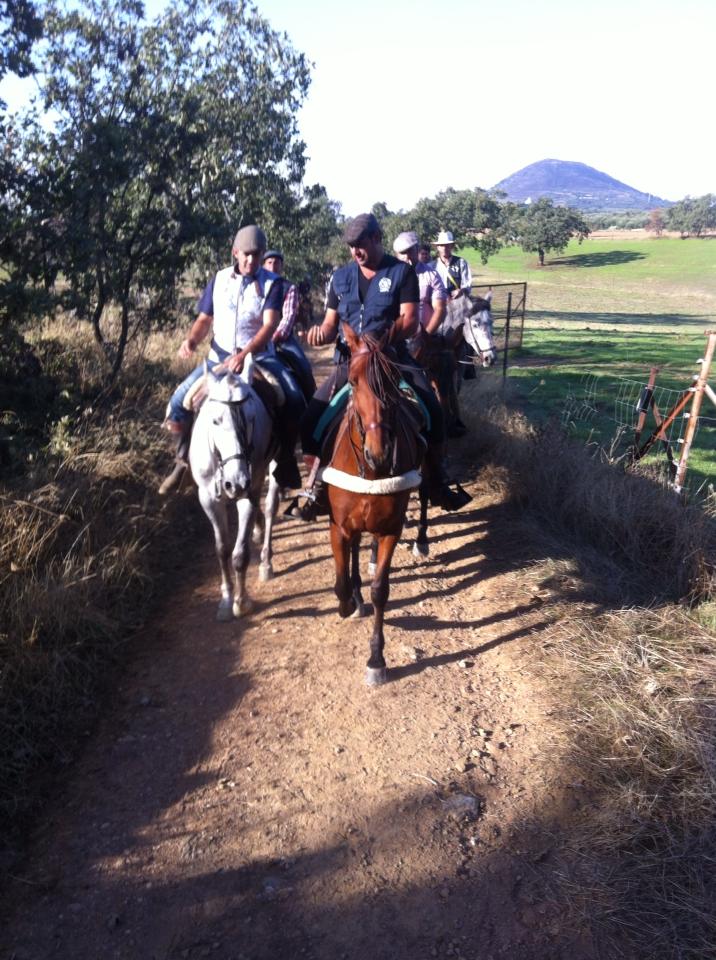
(381, 307)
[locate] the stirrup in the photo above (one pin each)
(316, 502)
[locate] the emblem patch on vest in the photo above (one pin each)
(384, 284)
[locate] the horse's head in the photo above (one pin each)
(376, 395)
(478, 333)
(230, 421)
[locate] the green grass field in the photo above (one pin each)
(599, 316)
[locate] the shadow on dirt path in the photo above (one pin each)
(247, 797)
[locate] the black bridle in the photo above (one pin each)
(382, 376)
(241, 431)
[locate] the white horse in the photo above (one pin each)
(477, 332)
(230, 455)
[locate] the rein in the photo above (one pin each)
(246, 447)
(382, 380)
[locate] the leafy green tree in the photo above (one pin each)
(693, 216)
(474, 217)
(311, 236)
(542, 227)
(20, 27)
(167, 136)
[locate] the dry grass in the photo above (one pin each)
(82, 535)
(642, 716)
(638, 679)
(663, 548)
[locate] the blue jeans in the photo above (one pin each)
(295, 403)
(290, 352)
(177, 413)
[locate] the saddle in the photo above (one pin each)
(265, 385)
(416, 418)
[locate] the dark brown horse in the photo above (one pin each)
(375, 464)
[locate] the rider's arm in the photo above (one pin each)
(407, 323)
(439, 310)
(199, 329)
(438, 301)
(326, 332)
(288, 314)
(465, 276)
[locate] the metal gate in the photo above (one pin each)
(509, 301)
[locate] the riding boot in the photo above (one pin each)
(181, 459)
(440, 492)
(286, 470)
(316, 501)
(315, 496)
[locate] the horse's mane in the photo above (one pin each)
(382, 374)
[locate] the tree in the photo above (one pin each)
(167, 136)
(693, 216)
(655, 223)
(474, 217)
(542, 227)
(20, 27)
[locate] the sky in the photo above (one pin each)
(409, 98)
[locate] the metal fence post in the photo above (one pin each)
(507, 338)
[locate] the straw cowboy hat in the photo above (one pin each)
(444, 238)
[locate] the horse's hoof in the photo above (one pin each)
(375, 676)
(346, 609)
(420, 549)
(265, 572)
(372, 567)
(361, 610)
(224, 613)
(243, 606)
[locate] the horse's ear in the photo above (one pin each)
(247, 373)
(351, 339)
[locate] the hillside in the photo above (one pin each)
(576, 185)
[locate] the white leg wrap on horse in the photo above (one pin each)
(224, 612)
(243, 606)
(375, 676)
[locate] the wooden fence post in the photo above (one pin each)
(698, 392)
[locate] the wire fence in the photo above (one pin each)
(621, 412)
(504, 295)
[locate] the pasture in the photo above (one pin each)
(602, 313)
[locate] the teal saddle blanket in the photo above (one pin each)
(340, 401)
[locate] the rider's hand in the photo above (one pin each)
(235, 363)
(187, 348)
(315, 336)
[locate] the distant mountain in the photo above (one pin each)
(575, 185)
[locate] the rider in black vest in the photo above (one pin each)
(374, 294)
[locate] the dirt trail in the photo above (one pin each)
(246, 796)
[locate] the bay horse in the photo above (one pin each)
(230, 454)
(375, 464)
(467, 322)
